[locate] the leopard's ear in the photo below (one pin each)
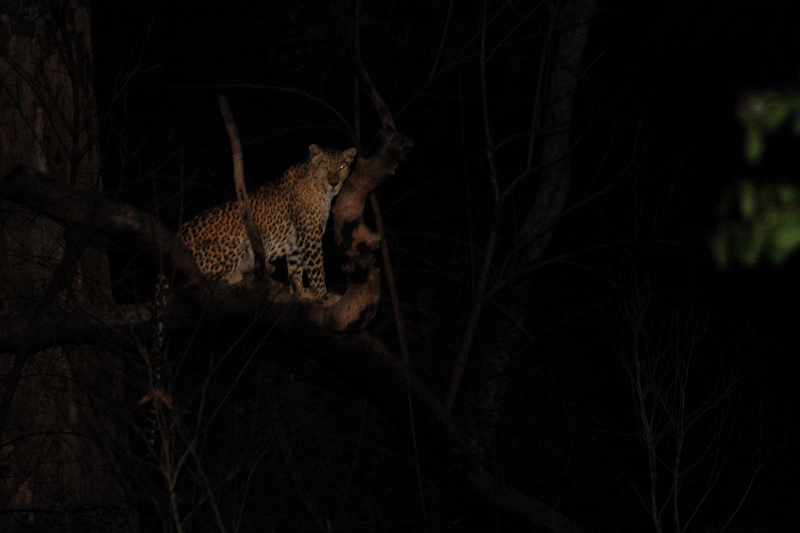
(314, 150)
(349, 155)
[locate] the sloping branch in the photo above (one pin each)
(87, 210)
(359, 358)
(123, 223)
(396, 391)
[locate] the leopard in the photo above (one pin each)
(291, 214)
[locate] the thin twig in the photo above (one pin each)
(480, 297)
(390, 280)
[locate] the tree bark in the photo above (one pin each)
(573, 19)
(51, 432)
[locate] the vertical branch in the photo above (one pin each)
(376, 211)
(390, 280)
(389, 134)
(256, 241)
(480, 295)
(643, 389)
(537, 98)
(658, 358)
(356, 80)
(441, 42)
(354, 239)
(573, 18)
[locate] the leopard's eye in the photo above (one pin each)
(342, 167)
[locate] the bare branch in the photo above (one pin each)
(356, 241)
(387, 121)
(289, 90)
(253, 234)
(390, 384)
(480, 293)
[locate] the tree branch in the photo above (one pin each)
(366, 363)
(359, 358)
(573, 19)
(123, 223)
(256, 241)
(356, 241)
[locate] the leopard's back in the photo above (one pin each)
(273, 216)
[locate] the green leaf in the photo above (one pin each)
(753, 145)
(747, 199)
(786, 237)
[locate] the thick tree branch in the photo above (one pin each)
(57, 326)
(359, 358)
(123, 223)
(119, 222)
(573, 18)
(355, 240)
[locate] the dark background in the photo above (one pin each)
(656, 135)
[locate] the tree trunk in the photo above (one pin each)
(572, 21)
(51, 427)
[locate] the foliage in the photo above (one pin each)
(760, 220)
(763, 113)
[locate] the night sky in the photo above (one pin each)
(655, 132)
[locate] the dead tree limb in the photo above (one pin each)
(355, 240)
(253, 234)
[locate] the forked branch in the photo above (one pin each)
(355, 240)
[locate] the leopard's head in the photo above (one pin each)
(330, 167)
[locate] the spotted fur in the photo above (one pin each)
(291, 214)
